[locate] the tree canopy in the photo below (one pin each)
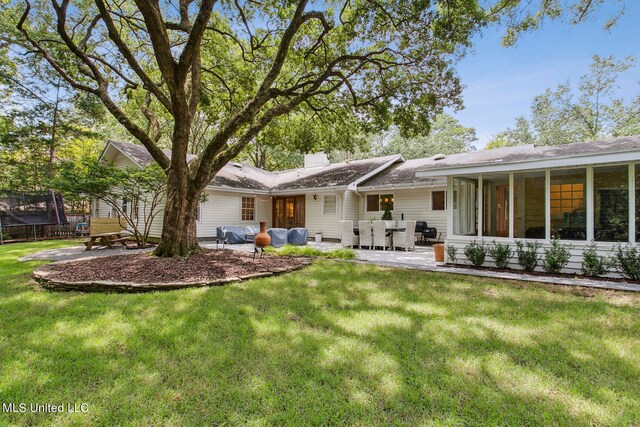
(208, 77)
(593, 110)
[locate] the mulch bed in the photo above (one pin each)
(140, 272)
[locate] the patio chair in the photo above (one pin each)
(380, 237)
(348, 236)
(221, 237)
(364, 229)
(405, 239)
(420, 226)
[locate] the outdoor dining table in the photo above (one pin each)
(356, 230)
(106, 239)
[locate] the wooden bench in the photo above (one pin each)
(106, 232)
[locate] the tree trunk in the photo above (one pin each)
(179, 225)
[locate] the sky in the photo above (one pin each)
(500, 83)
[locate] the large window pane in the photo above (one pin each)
(373, 203)
(465, 196)
(568, 198)
(611, 203)
(530, 221)
(495, 197)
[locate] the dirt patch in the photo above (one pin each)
(144, 272)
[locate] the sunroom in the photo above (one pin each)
(578, 193)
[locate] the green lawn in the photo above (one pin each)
(335, 343)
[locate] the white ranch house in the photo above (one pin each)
(580, 192)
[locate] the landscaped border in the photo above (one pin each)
(40, 275)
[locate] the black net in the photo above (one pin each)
(41, 208)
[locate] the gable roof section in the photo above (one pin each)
(527, 157)
(335, 175)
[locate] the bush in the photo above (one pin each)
(476, 253)
(386, 216)
(528, 254)
(557, 256)
(452, 253)
(501, 254)
(627, 261)
(594, 265)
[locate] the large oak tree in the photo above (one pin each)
(243, 63)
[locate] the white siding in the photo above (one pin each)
(573, 267)
(414, 203)
(318, 222)
(350, 206)
(225, 208)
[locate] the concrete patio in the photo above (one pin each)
(421, 257)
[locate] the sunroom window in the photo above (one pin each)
(530, 209)
(568, 209)
(611, 203)
(495, 196)
(465, 196)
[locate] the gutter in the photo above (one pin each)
(532, 164)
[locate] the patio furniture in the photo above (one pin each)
(430, 233)
(364, 230)
(381, 237)
(298, 236)
(82, 229)
(238, 234)
(405, 239)
(278, 236)
(106, 239)
(221, 237)
(106, 232)
(349, 238)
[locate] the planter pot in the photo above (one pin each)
(262, 238)
(438, 250)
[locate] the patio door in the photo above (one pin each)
(502, 210)
(288, 211)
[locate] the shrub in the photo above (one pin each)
(386, 216)
(501, 254)
(594, 265)
(527, 254)
(452, 253)
(627, 261)
(476, 253)
(557, 256)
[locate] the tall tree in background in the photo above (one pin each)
(245, 65)
(446, 136)
(566, 115)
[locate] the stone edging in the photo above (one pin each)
(40, 275)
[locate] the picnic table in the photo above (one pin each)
(106, 239)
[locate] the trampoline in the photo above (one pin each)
(19, 209)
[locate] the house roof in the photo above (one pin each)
(394, 170)
(332, 175)
(242, 176)
(530, 157)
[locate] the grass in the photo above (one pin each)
(335, 343)
(342, 253)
